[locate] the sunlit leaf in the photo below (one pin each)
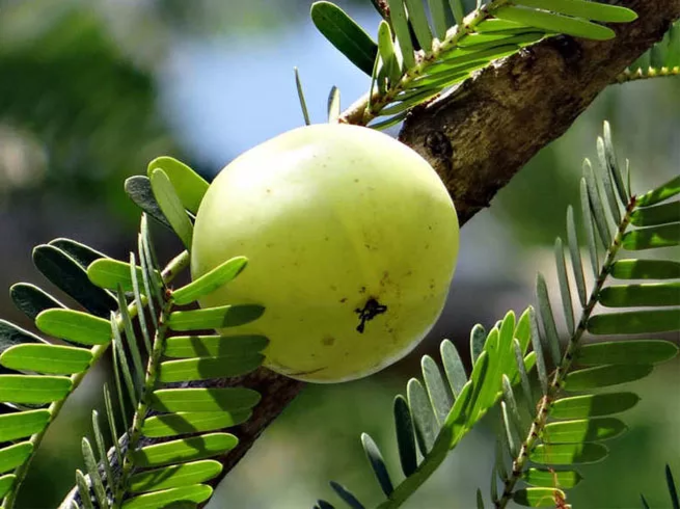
(188, 184)
(74, 326)
(33, 389)
(204, 400)
(584, 430)
(6, 483)
(593, 11)
(652, 237)
(109, 273)
(183, 450)
(555, 23)
(174, 476)
(648, 351)
(14, 455)
(420, 23)
(214, 318)
(171, 205)
(22, 424)
(645, 269)
(568, 454)
(52, 359)
(661, 193)
(551, 478)
(205, 368)
(194, 494)
(635, 322)
(401, 28)
(210, 281)
(168, 425)
(659, 214)
(593, 405)
(214, 346)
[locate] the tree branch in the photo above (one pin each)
(481, 134)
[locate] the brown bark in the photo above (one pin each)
(481, 134)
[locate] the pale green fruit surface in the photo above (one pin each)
(333, 219)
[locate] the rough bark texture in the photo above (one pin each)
(481, 134)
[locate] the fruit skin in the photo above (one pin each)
(334, 219)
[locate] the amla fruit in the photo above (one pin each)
(352, 241)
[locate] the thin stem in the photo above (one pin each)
(368, 106)
(143, 406)
(557, 380)
(171, 271)
(645, 74)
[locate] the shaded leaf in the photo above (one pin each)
(189, 185)
(593, 11)
(194, 494)
(645, 269)
(31, 300)
(377, 463)
(551, 478)
(584, 430)
(203, 368)
(175, 476)
(424, 420)
(405, 436)
(204, 400)
(420, 23)
(22, 424)
(138, 188)
(565, 290)
(171, 205)
(651, 294)
(593, 405)
(183, 450)
(588, 222)
(84, 490)
(436, 390)
(214, 346)
(168, 425)
(346, 496)
(661, 193)
(651, 238)
(80, 252)
(555, 23)
(401, 29)
(648, 351)
(635, 322)
(603, 376)
(109, 273)
(567, 454)
(659, 214)
(301, 97)
(11, 335)
(453, 367)
(477, 340)
(95, 477)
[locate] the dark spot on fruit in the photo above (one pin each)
(362, 289)
(328, 341)
(356, 180)
(269, 191)
(343, 300)
(371, 309)
(333, 288)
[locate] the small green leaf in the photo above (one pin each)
(52, 359)
(205, 368)
(662, 193)
(109, 274)
(84, 490)
(74, 326)
(523, 330)
(477, 340)
(568, 454)
(420, 23)
(130, 337)
(301, 97)
(609, 152)
(593, 405)
(183, 450)
(524, 378)
(583, 9)
(31, 300)
(171, 205)
(551, 478)
(214, 346)
(70, 277)
(188, 184)
(635, 322)
(604, 376)
(6, 483)
(507, 432)
(138, 188)
(204, 400)
(438, 11)
(334, 108)
(575, 255)
(95, 477)
(391, 69)
(215, 318)
(453, 367)
(210, 281)
(101, 447)
(596, 204)
(538, 350)
(194, 494)
(346, 496)
(175, 476)
(458, 11)
(651, 238)
(170, 425)
(548, 319)
(377, 463)
(499, 25)
(647, 351)
(111, 419)
(588, 221)
(607, 183)
(657, 215)
(565, 289)
(22, 424)
(33, 389)
(436, 389)
(672, 490)
(344, 33)
(424, 420)
(584, 430)
(400, 25)
(405, 436)
(14, 455)
(555, 23)
(538, 497)
(650, 294)
(645, 269)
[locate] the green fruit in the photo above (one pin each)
(352, 241)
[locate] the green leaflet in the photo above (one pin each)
(659, 214)
(334, 108)
(188, 184)
(138, 188)
(214, 346)
(343, 33)
(650, 294)
(438, 10)
(210, 281)
(22, 424)
(453, 367)
(204, 400)
(33, 389)
(301, 97)
(424, 420)
(346, 496)
(585, 430)
(405, 438)
(377, 462)
(174, 476)
(11, 335)
(661, 193)
(593, 11)
(494, 41)
(555, 23)
(183, 450)
(555, 478)
(645, 269)
(79, 252)
(479, 56)
(538, 497)
(635, 322)
(603, 376)
(171, 205)
(74, 326)
(437, 392)
(83, 489)
(593, 405)
(648, 351)
(214, 318)
(651, 238)
(205, 368)
(14, 455)
(391, 69)
(420, 23)
(499, 25)
(194, 494)
(168, 425)
(568, 454)
(71, 278)
(31, 300)
(52, 359)
(400, 26)
(109, 274)
(6, 483)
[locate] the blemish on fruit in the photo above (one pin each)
(343, 300)
(328, 341)
(371, 309)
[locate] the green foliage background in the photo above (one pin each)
(80, 110)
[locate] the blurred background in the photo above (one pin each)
(90, 91)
